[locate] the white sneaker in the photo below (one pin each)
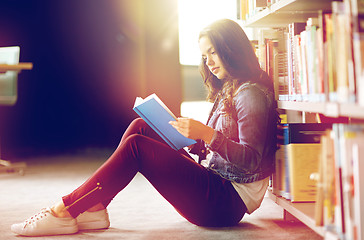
(45, 223)
(93, 220)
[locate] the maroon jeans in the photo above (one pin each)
(198, 194)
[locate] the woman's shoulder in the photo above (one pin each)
(255, 93)
(251, 87)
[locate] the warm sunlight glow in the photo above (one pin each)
(198, 110)
(195, 15)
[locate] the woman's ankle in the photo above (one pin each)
(59, 210)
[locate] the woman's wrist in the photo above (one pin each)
(208, 135)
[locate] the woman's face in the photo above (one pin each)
(211, 59)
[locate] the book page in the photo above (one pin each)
(138, 101)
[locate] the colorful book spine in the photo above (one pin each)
(345, 89)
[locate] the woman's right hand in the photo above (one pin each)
(193, 129)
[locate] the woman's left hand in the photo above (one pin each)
(193, 129)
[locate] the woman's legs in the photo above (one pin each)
(138, 126)
(201, 196)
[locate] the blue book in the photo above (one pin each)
(157, 115)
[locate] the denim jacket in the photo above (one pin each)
(244, 143)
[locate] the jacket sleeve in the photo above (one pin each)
(252, 109)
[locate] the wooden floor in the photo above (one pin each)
(138, 212)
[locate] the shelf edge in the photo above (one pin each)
(303, 217)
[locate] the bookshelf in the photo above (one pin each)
(285, 11)
(278, 16)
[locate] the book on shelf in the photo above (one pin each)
(330, 70)
(272, 56)
(293, 57)
(279, 175)
(303, 67)
(311, 56)
(294, 62)
(348, 135)
(303, 161)
(339, 226)
(285, 190)
(157, 115)
(307, 60)
(320, 60)
(325, 207)
(341, 186)
(342, 34)
(325, 170)
(303, 152)
(244, 10)
(358, 178)
(357, 11)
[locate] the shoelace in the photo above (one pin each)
(36, 217)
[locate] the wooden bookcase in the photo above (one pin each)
(279, 15)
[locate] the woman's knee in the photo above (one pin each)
(138, 122)
(138, 144)
(137, 126)
(134, 138)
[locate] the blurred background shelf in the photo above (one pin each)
(327, 108)
(286, 11)
(16, 67)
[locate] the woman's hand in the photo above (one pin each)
(193, 129)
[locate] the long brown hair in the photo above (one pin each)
(238, 57)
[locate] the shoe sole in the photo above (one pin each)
(93, 225)
(50, 232)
